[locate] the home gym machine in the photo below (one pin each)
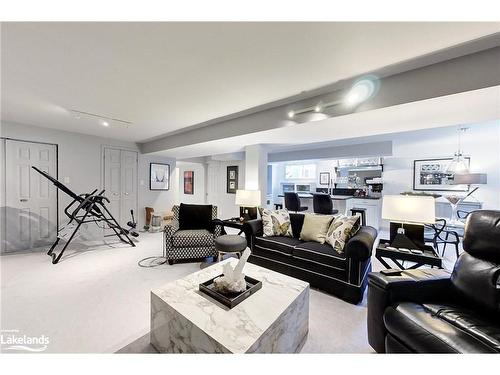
(85, 208)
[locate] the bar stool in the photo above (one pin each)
(360, 212)
(292, 202)
(322, 204)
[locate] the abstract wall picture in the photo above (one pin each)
(232, 179)
(430, 174)
(159, 176)
(188, 182)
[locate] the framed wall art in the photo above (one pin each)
(159, 176)
(189, 182)
(431, 175)
(324, 178)
(232, 179)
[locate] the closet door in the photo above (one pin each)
(31, 199)
(113, 181)
(120, 182)
(129, 185)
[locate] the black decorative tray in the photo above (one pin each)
(230, 299)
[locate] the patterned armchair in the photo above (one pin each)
(190, 243)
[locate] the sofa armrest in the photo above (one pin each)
(360, 246)
(218, 227)
(171, 228)
(253, 227)
(416, 285)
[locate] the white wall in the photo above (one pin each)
(223, 200)
(199, 196)
(481, 142)
(161, 201)
(80, 159)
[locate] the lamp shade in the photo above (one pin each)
(409, 209)
(470, 179)
(247, 198)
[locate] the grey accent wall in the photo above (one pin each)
(348, 151)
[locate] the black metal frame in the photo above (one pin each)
(429, 257)
(90, 208)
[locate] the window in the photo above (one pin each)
(300, 171)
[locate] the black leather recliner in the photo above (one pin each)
(434, 311)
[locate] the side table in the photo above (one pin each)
(429, 256)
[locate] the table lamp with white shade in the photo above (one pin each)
(248, 200)
(408, 214)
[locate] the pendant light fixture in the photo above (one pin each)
(459, 163)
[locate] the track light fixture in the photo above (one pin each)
(103, 120)
(362, 90)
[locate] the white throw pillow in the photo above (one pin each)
(341, 230)
(276, 223)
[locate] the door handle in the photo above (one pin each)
(23, 200)
(115, 193)
(125, 193)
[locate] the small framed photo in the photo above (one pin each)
(159, 176)
(232, 179)
(189, 182)
(431, 175)
(324, 178)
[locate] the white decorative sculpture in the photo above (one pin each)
(233, 280)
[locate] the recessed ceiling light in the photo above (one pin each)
(362, 90)
(318, 107)
(291, 114)
(105, 123)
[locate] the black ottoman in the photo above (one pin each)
(230, 243)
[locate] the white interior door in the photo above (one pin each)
(129, 185)
(214, 185)
(112, 180)
(31, 200)
(120, 182)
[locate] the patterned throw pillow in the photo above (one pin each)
(341, 230)
(276, 223)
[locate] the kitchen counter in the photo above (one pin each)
(334, 197)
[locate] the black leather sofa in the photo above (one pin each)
(344, 275)
(433, 311)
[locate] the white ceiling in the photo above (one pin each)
(167, 76)
(471, 107)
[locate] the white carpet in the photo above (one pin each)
(97, 301)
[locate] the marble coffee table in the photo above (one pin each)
(273, 320)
